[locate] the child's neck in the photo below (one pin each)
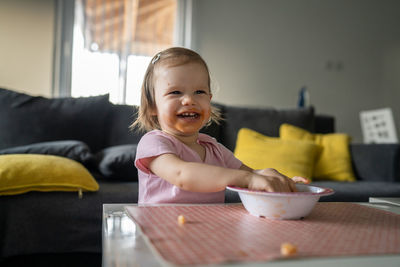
(189, 140)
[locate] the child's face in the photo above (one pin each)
(182, 97)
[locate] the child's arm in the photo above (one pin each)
(200, 177)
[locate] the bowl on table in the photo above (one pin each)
(281, 205)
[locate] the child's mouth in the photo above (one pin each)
(189, 115)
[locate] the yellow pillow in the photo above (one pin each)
(21, 173)
(334, 161)
(291, 158)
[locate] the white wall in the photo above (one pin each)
(261, 52)
(26, 45)
(391, 81)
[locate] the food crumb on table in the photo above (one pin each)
(288, 249)
(181, 219)
(242, 253)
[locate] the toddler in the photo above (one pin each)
(176, 163)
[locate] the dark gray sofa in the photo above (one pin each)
(60, 229)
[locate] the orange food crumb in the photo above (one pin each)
(288, 249)
(181, 219)
(242, 253)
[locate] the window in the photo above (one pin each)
(113, 42)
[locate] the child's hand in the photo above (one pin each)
(271, 180)
(299, 179)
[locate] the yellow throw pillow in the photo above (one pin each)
(292, 158)
(334, 161)
(21, 173)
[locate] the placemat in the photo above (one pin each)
(215, 234)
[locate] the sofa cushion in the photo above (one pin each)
(376, 162)
(26, 119)
(334, 161)
(263, 120)
(71, 149)
(292, 158)
(21, 173)
(324, 124)
(359, 191)
(117, 163)
(58, 222)
(119, 119)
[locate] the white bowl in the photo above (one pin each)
(281, 206)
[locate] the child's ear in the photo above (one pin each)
(211, 95)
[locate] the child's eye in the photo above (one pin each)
(174, 92)
(198, 92)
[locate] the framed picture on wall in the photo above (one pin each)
(378, 126)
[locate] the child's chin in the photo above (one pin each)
(190, 127)
(189, 131)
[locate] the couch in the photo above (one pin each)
(64, 228)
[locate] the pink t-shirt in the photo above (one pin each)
(153, 189)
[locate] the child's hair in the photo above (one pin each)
(172, 57)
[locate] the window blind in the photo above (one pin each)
(129, 27)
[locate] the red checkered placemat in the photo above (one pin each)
(216, 234)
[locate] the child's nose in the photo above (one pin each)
(187, 100)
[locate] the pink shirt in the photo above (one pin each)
(153, 189)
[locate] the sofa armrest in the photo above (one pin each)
(376, 162)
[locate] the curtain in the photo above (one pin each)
(129, 27)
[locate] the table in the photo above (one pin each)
(123, 245)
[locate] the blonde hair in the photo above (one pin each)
(174, 56)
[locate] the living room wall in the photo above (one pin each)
(346, 52)
(260, 52)
(26, 46)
